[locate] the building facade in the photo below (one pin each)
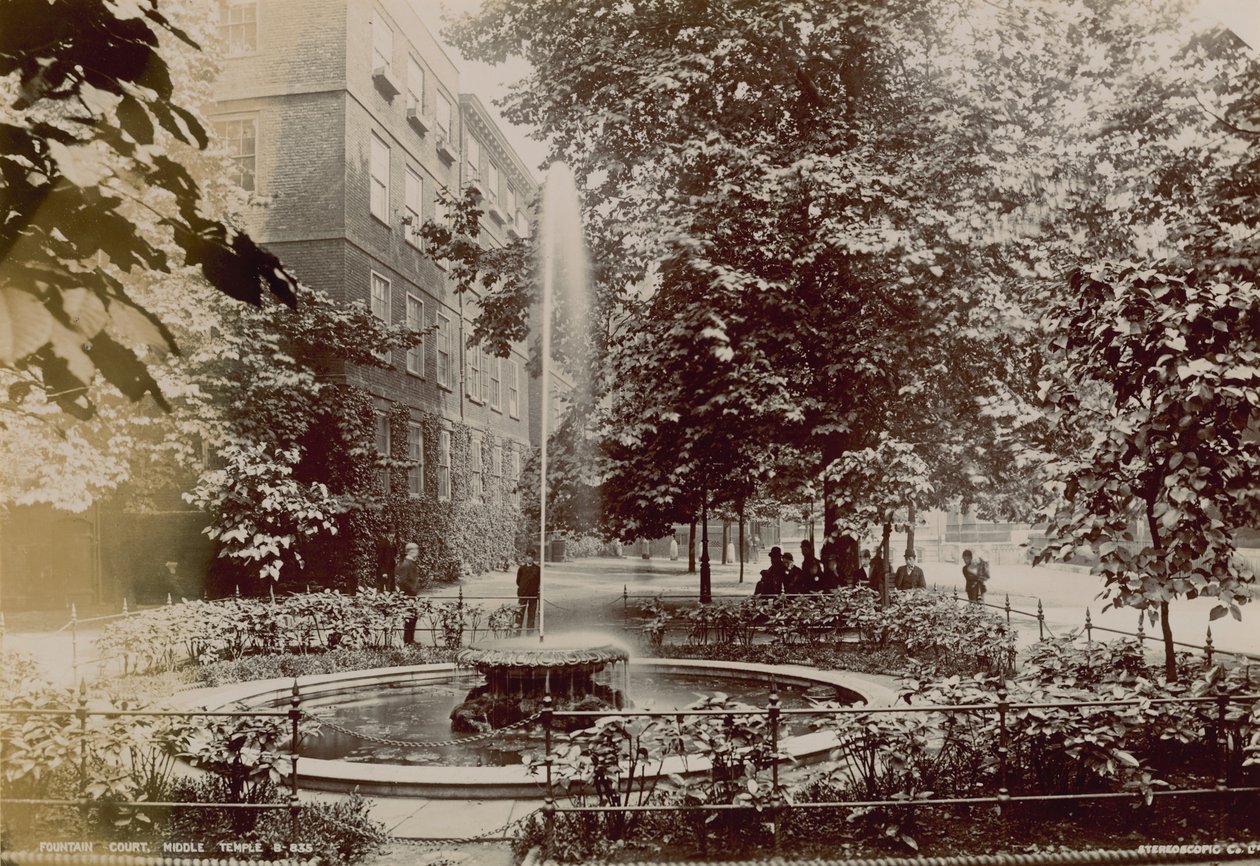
(346, 118)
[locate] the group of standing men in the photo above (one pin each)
(785, 577)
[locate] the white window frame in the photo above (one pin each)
(510, 202)
(476, 467)
(378, 171)
(226, 27)
(415, 75)
(413, 195)
(496, 383)
(382, 43)
(472, 155)
(443, 351)
(380, 438)
(513, 389)
(236, 149)
(415, 452)
(415, 355)
(443, 117)
(492, 181)
(496, 461)
(380, 301)
(472, 374)
(444, 465)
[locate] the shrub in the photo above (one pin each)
(334, 832)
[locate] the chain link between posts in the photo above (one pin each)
(493, 835)
(422, 744)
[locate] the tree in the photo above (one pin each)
(88, 143)
(1156, 379)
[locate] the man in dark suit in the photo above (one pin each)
(408, 580)
(910, 576)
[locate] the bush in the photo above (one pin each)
(233, 628)
(337, 832)
(928, 626)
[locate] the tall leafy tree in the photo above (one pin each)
(88, 142)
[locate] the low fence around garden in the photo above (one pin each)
(738, 754)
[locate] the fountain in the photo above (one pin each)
(519, 673)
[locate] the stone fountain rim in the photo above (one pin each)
(477, 783)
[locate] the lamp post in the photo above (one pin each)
(706, 573)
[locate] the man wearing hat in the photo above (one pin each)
(407, 579)
(910, 576)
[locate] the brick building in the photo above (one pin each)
(346, 117)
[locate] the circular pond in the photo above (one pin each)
(413, 703)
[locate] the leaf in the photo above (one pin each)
(1217, 612)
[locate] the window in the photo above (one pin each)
(412, 188)
(442, 216)
(380, 297)
(443, 351)
(472, 377)
(513, 390)
(444, 464)
(496, 383)
(475, 467)
(415, 321)
(496, 461)
(415, 453)
(473, 152)
(522, 224)
(415, 86)
(379, 167)
(381, 304)
(241, 138)
(382, 43)
(443, 115)
(516, 476)
(382, 449)
(492, 182)
(238, 26)
(509, 201)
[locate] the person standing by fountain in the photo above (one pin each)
(407, 579)
(528, 579)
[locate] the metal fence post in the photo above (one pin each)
(625, 607)
(1041, 621)
(74, 642)
(295, 716)
(1207, 651)
(549, 804)
(1003, 706)
(81, 713)
(1007, 607)
(1222, 759)
(772, 713)
(1141, 631)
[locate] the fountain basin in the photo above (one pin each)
(506, 782)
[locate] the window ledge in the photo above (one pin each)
(418, 121)
(445, 150)
(385, 83)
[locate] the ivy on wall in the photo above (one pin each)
(463, 534)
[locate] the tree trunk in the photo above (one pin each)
(886, 543)
(910, 526)
(741, 544)
(691, 548)
(1165, 628)
(706, 575)
(1170, 658)
(726, 540)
